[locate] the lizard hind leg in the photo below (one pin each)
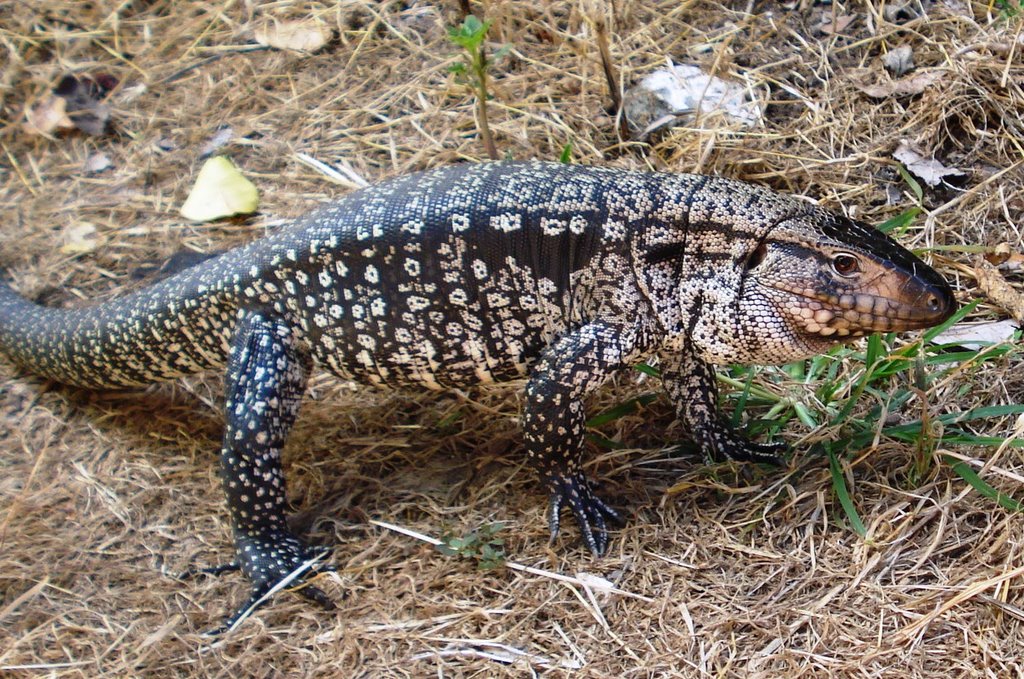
(265, 381)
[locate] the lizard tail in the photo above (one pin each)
(152, 335)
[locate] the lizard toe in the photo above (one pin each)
(574, 490)
(272, 561)
(220, 569)
(722, 442)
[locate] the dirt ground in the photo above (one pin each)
(721, 570)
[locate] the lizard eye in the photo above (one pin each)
(845, 265)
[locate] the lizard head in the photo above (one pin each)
(739, 274)
(817, 280)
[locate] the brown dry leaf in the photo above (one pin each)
(1014, 262)
(1004, 257)
(83, 97)
(221, 137)
(299, 36)
(994, 286)
(841, 24)
(97, 162)
(47, 115)
(881, 86)
(900, 60)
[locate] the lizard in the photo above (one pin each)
(557, 274)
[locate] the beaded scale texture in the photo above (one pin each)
(484, 273)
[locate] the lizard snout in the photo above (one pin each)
(925, 300)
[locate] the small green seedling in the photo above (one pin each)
(481, 545)
(1008, 8)
(470, 37)
(566, 157)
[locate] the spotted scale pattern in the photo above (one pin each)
(483, 273)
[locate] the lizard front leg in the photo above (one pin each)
(690, 383)
(266, 378)
(554, 421)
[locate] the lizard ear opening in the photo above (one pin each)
(756, 257)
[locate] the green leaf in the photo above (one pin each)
(851, 401)
(912, 431)
(449, 419)
(971, 415)
(492, 528)
(470, 35)
(804, 415)
(874, 349)
(472, 25)
(931, 333)
(839, 486)
(603, 441)
(648, 370)
(741, 402)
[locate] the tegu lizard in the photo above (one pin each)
(481, 273)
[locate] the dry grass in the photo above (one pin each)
(742, 572)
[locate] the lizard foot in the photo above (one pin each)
(590, 511)
(722, 442)
(272, 561)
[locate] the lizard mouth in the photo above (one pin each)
(918, 304)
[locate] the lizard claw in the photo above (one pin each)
(590, 511)
(193, 571)
(259, 596)
(272, 561)
(722, 442)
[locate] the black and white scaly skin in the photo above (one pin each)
(484, 273)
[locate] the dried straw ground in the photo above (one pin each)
(741, 573)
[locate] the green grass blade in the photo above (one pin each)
(741, 402)
(625, 408)
(931, 333)
(949, 419)
(603, 441)
(911, 182)
(900, 222)
(964, 471)
(648, 370)
(566, 156)
(839, 486)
